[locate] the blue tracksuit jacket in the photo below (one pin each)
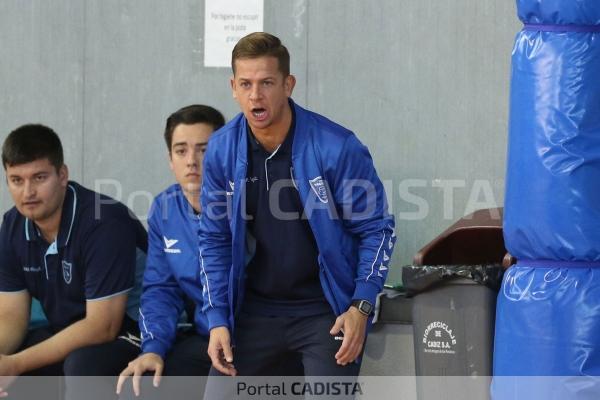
(171, 271)
(327, 160)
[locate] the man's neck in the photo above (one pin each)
(193, 199)
(50, 226)
(271, 137)
(49, 233)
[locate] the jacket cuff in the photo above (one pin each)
(155, 346)
(217, 317)
(366, 291)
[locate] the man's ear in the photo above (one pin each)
(289, 84)
(232, 83)
(170, 157)
(63, 175)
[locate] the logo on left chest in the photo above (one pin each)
(67, 270)
(318, 186)
(169, 243)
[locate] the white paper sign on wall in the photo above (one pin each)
(226, 22)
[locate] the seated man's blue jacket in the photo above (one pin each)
(343, 199)
(171, 271)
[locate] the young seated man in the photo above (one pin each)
(75, 251)
(171, 282)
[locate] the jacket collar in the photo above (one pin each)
(300, 131)
(242, 155)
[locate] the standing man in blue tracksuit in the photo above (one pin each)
(171, 283)
(295, 238)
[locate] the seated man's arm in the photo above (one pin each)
(162, 299)
(109, 256)
(161, 304)
(15, 300)
(14, 319)
(101, 324)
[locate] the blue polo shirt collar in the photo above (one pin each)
(67, 220)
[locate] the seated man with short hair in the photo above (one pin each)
(171, 283)
(75, 251)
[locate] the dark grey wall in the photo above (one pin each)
(423, 84)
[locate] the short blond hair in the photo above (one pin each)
(260, 44)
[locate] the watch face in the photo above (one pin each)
(365, 307)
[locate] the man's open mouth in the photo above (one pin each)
(259, 113)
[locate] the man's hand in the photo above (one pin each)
(353, 324)
(219, 350)
(137, 368)
(8, 373)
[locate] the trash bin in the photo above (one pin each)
(455, 280)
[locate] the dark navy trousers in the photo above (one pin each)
(288, 346)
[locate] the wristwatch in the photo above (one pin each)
(363, 306)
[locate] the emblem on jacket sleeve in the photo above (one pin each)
(67, 270)
(318, 186)
(232, 187)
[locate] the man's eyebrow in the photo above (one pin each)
(258, 79)
(37, 173)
